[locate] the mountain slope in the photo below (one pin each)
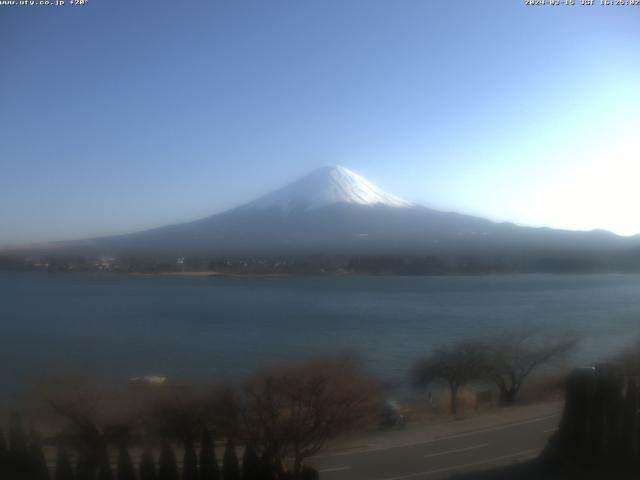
(335, 211)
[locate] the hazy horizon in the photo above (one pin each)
(264, 194)
(122, 117)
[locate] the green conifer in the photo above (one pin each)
(125, 469)
(250, 463)
(167, 464)
(63, 465)
(104, 469)
(18, 464)
(230, 466)
(208, 462)
(266, 469)
(148, 466)
(38, 464)
(309, 473)
(17, 435)
(4, 455)
(190, 462)
(85, 467)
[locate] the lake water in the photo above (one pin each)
(206, 328)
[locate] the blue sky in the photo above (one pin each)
(124, 115)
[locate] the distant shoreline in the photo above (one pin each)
(207, 274)
(219, 274)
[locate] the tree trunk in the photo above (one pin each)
(297, 465)
(508, 396)
(454, 399)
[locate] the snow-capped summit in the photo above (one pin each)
(328, 186)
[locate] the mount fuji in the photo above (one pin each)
(328, 186)
(334, 211)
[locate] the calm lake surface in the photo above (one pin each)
(203, 328)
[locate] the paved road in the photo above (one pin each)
(443, 457)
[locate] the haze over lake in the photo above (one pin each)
(206, 328)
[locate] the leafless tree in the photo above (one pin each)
(88, 431)
(629, 358)
(177, 416)
(512, 357)
(291, 411)
(455, 364)
(88, 407)
(182, 414)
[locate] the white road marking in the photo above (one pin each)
(441, 439)
(466, 465)
(457, 450)
(337, 469)
(499, 427)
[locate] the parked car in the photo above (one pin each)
(392, 415)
